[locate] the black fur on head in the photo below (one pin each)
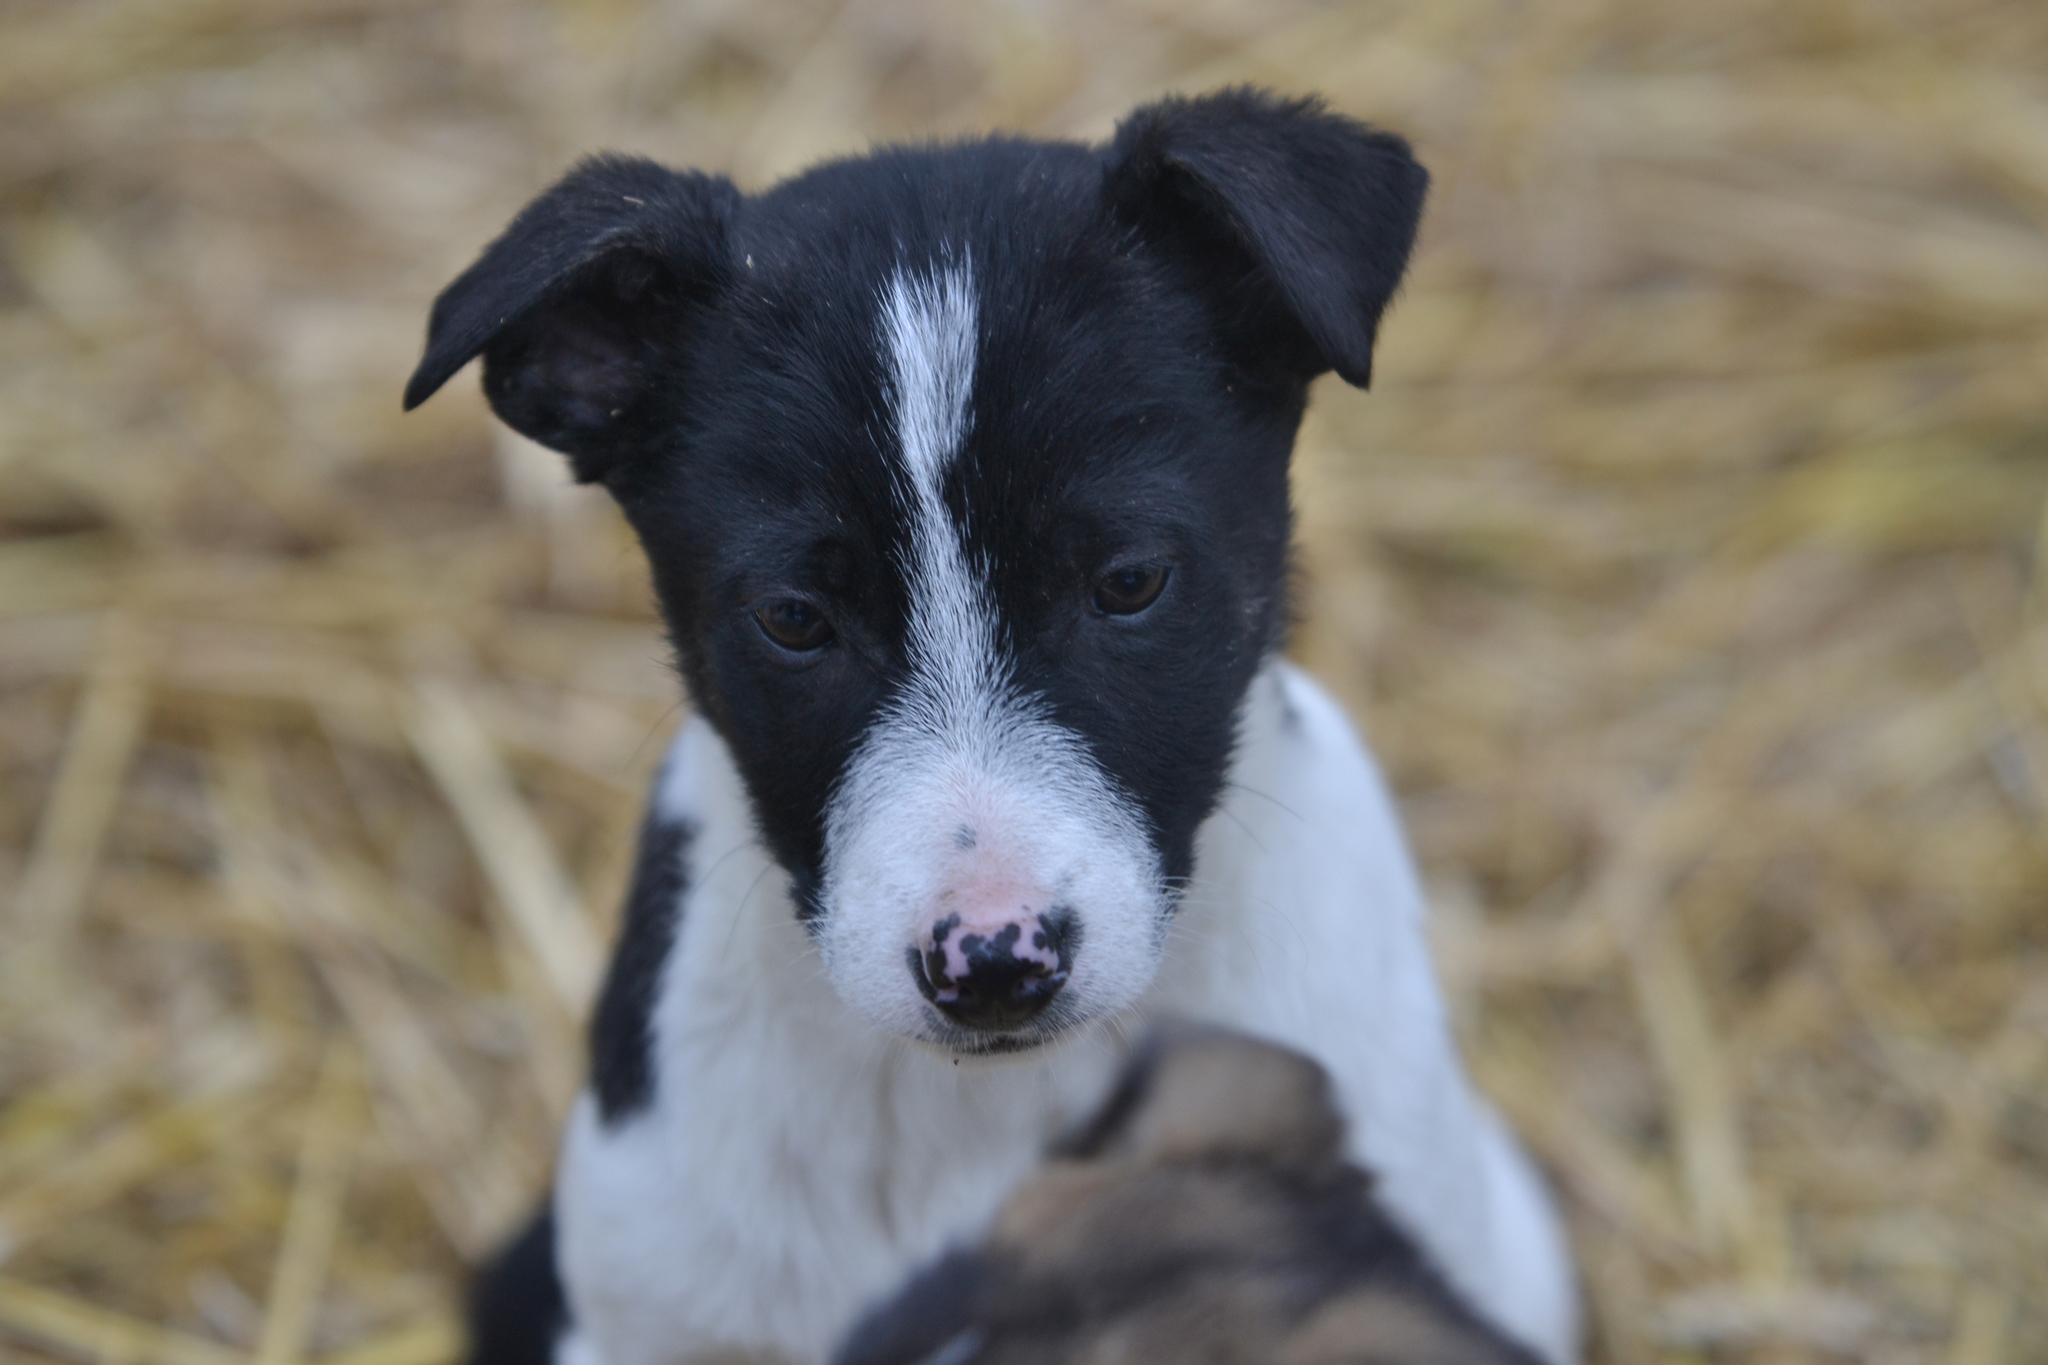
(1145, 318)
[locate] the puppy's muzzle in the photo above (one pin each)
(995, 974)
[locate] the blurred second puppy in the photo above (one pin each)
(1205, 1216)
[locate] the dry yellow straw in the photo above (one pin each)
(314, 1216)
(1682, 1038)
(103, 1170)
(537, 894)
(107, 723)
(1980, 1335)
(88, 1332)
(432, 1342)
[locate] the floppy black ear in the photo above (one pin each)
(1299, 220)
(573, 306)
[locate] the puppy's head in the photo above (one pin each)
(1205, 1215)
(962, 472)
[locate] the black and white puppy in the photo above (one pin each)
(962, 471)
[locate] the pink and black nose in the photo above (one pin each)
(995, 977)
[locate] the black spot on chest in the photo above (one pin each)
(622, 1027)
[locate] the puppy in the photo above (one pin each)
(1205, 1216)
(962, 473)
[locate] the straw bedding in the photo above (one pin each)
(1683, 566)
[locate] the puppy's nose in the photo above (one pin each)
(994, 976)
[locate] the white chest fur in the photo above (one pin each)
(795, 1162)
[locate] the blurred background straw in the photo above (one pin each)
(1683, 565)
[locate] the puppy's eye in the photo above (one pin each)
(1126, 592)
(794, 624)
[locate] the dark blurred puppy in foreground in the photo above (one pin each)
(1206, 1216)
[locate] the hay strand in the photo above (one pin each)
(314, 1216)
(88, 782)
(537, 895)
(89, 1333)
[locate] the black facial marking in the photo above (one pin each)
(621, 1042)
(964, 838)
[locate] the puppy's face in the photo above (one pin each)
(1205, 1216)
(972, 577)
(962, 472)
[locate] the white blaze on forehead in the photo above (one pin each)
(929, 327)
(958, 745)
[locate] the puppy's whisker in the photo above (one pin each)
(1268, 797)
